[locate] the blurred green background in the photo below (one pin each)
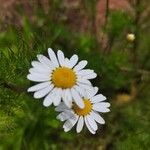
(95, 30)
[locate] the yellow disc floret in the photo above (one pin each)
(64, 77)
(86, 110)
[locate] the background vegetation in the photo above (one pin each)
(122, 67)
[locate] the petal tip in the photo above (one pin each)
(29, 90)
(46, 105)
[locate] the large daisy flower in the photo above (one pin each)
(94, 104)
(60, 79)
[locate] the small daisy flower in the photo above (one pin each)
(94, 104)
(60, 78)
(130, 37)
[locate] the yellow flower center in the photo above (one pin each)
(64, 77)
(85, 111)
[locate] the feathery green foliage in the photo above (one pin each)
(26, 124)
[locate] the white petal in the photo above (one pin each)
(57, 96)
(73, 61)
(62, 116)
(104, 104)
(88, 90)
(78, 100)
(98, 98)
(48, 100)
(97, 117)
(95, 90)
(91, 93)
(70, 123)
(67, 63)
(33, 70)
(40, 70)
(80, 90)
(36, 79)
(85, 72)
(45, 60)
(37, 64)
(43, 92)
(61, 57)
(38, 86)
(88, 125)
(37, 69)
(65, 115)
(68, 95)
(92, 122)
(43, 70)
(83, 81)
(53, 57)
(40, 75)
(86, 87)
(61, 107)
(66, 98)
(101, 107)
(80, 124)
(80, 65)
(90, 76)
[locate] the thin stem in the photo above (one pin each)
(106, 12)
(136, 23)
(13, 87)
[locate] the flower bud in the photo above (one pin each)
(130, 37)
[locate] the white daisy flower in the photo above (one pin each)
(60, 78)
(94, 104)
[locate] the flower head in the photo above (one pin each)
(60, 79)
(130, 37)
(89, 114)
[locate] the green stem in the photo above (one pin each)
(106, 12)
(12, 87)
(136, 23)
